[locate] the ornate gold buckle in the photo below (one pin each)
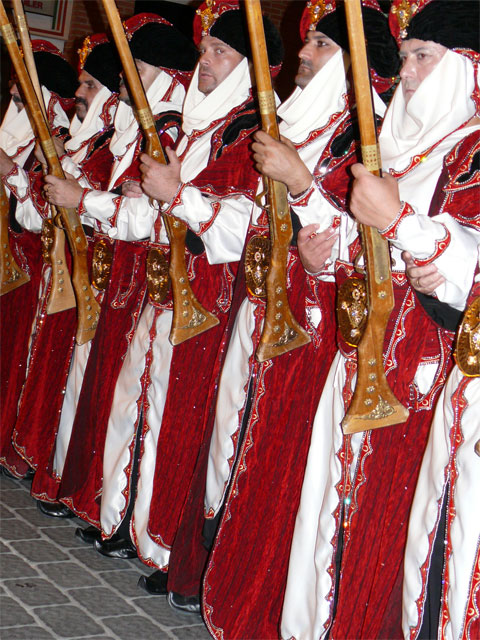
(467, 351)
(257, 261)
(352, 310)
(47, 238)
(158, 279)
(101, 264)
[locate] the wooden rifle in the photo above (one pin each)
(11, 275)
(281, 332)
(373, 404)
(189, 316)
(88, 309)
(61, 296)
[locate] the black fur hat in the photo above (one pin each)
(99, 58)
(53, 70)
(157, 42)
(224, 20)
(453, 23)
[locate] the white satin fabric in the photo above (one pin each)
(306, 609)
(464, 534)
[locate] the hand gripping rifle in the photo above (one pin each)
(11, 275)
(281, 332)
(61, 296)
(88, 309)
(373, 404)
(189, 317)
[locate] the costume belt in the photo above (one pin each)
(101, 264)
(257, 261)
(158, 278)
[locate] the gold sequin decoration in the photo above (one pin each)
(158, 279)
(101, 265)
(404, 12)
(257, 261)
(467, 352)
(207, 16)
(352, 310)
(316, 11)
(85, 51)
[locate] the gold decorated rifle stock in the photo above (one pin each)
(88, 309)
(281, 331)
(190, 318)
(373, 405)
(11, 275)
(61, 295)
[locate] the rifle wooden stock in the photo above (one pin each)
(61, 296)
(88, 309)
(11, 275)
(190, 318)
(373, 405)
(281, 332)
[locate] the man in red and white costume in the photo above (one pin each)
(17, 142)
(363, 484)
(252, 483)
(159, 49)
(37, 436)
(209, 184)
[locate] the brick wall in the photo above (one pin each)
(88, 16)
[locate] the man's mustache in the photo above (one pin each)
(17, 99)
(81, 101)
(306, 63)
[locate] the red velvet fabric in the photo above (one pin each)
(17, 315)
(248, 564)
(191, 371)
(123, 301)
(43, 393)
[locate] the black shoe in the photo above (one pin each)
(89, 534)
(29, 475)
(184, 604)
(116, 548)
(54, 509)
(154, 584)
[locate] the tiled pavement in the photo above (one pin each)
(54, 586)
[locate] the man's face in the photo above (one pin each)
(16, 97)
(217, 60)
(315, 53)
(88, 88)
(147, 72)
(419, 58)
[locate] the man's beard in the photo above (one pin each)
(18, 101)
(83, 102)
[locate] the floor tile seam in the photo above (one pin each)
(70, 602)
